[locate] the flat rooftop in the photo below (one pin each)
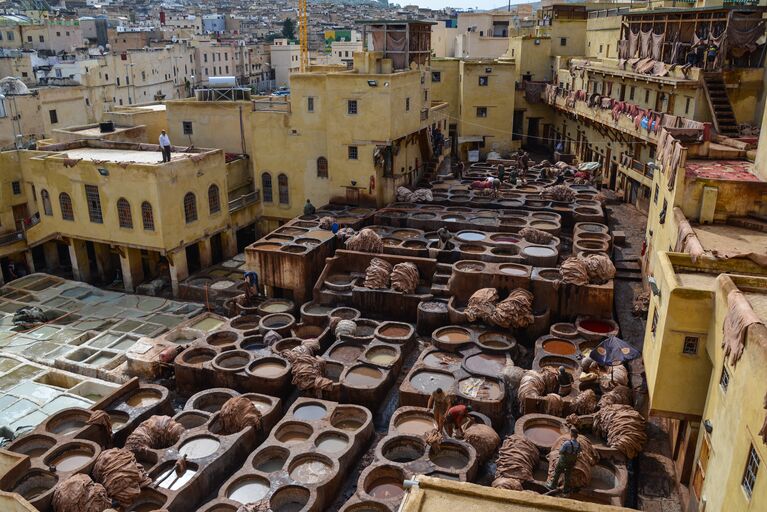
(728, 170)
(726, 238)
(121, 155)
(157, 108)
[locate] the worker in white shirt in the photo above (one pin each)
(165, 146)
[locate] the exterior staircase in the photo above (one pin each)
(721, 109)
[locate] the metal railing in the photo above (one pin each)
(11, 238)
(272, 104)
(243, 201)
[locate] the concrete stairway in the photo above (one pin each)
(721, 109)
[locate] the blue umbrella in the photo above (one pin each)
(613, 351)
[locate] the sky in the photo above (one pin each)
(464, 4)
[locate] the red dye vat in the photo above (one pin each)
(596, 326)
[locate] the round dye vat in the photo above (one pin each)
(386, 488)
(471, 236)
(363, 377)
(71, 460)
(427, 382)
(142, 399)
(276, 307)
(487, 364)
(538, 251)
(415, 425)
(199, 447)
(346, 353)
(452, 218)
(559, 347)
(513, 270)
(479, 388)
(470, 266)
(67, 427)
(596, 326)
(405, 233)
(384, 356)
(198, 356)
(504, 239)
(248, 490)
(454, 335)
(542, 434)
(496, 340)
(309, 412)
(331, 443)
(33, 445)
(268, 247)
(472, 248)
(442, 359)
(449, 458)
(272, 464)
(171, 480)
(261, 404)
(349, 424)
(311, 472)
(268, 369)
(543, 225)
(294, 435)
(394, 331)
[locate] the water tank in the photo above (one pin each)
(222, 81)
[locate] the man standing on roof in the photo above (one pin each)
(309, 208)
(165, 146)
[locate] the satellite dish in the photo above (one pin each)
(12, 85)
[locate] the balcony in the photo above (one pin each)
(244, 201)
(636, 170)
(11, 238)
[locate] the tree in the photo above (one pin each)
(289, 28)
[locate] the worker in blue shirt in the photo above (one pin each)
(568, 456)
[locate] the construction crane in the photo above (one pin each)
(303, 37)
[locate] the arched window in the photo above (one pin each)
(124, 216)
(322, 167)
(282, 183)
(47, 208)
(190, 207)
(65, 202)
(147, 216)
(214, 200)
(266, 185)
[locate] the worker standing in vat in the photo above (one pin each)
(438, 403)
(444, 237)
(309, 208)
(565, 381)
(568, 456)
(459, 170)
(501, 172)
(165, 146)
(454, 419)
(251, 285)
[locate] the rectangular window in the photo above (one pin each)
(483, 81)
(749, 474)
(631, 93)
(187, 126)
(351, 107)
(654, 325)
(10, 36)
(436, 76)
(690, 346)
(562, 41)
(118, 80)
(58, 34)
(54, 116)
(481, 111)
(657, 193)
(353, 153)
(724, 379)
(29, 39)
(425, 95)
(687, 106)
(310, 104)
(94, 204)
(16, 187)
(647, 96)
(42, 39)
(407, 104)
(600, 48)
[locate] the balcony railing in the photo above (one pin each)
(243, 201)
(11, 238)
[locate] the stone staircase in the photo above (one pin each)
(439, 286)
(721, 108)
(429, 173)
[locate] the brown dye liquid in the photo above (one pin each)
(71, 460)
(386, 488)
(202, 358)
(415, 426)
(311, 472)
(487, 364)
(268, 369)
(381, 356)
(67, 427)
(450, 459)
(544, 435)
(559, 347)
(346, 353)
(293, 437)
(514, 271)
(429, 381)
(292, 506)
(268, 247)
(395, 332)
(142, 399)
(454, 336)
(442, 360)
(363, 376)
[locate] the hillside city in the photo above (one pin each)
(354, 256)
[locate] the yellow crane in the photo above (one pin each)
(303, 36)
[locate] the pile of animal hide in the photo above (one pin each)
(327, 222)
(585, 402)
(481, 304)
(308, 374)
(238, 413)
(587, 459)
(419, 196)
(515, 311)
(154, 433)
(79, 493)
(483, 438)
(378, 273)
(561, 193)
(590, 269)
(536, 236)
(517, 460)
(122, 477)
(404, 277)
(366, 240)
(623, 427)
(620, 395)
